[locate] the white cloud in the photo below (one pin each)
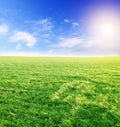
(93, 47)
(41, 27)
(75, 24)
(26, 37)
(61, 38)
(3, 29)
(42, 22)
(44, 25)
(66, 20)
(70, 42)
(103, 46)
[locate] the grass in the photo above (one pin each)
(59, 92)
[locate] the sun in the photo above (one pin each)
(103, 25)
(107, 28)
(103, 28)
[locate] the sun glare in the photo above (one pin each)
(103, 25)
(104, 28)
(107, 29)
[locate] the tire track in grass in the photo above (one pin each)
(67, 122)
(57, 95)
(79, 99)
(89, 96)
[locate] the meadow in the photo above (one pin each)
(59, 92)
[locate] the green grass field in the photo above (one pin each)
(59, 92)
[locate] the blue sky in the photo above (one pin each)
(60, 27)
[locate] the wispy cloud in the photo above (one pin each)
(41, 28)
(66, 20)
(103, 46)
(4, 29)
(44, 25)
(41, 25)
(70, 42)
(25, 37)
(42, 21)
(94, 46)
(75, 24)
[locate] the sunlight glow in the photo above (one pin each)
(103, 30)
(104, 24)
(107, 29)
